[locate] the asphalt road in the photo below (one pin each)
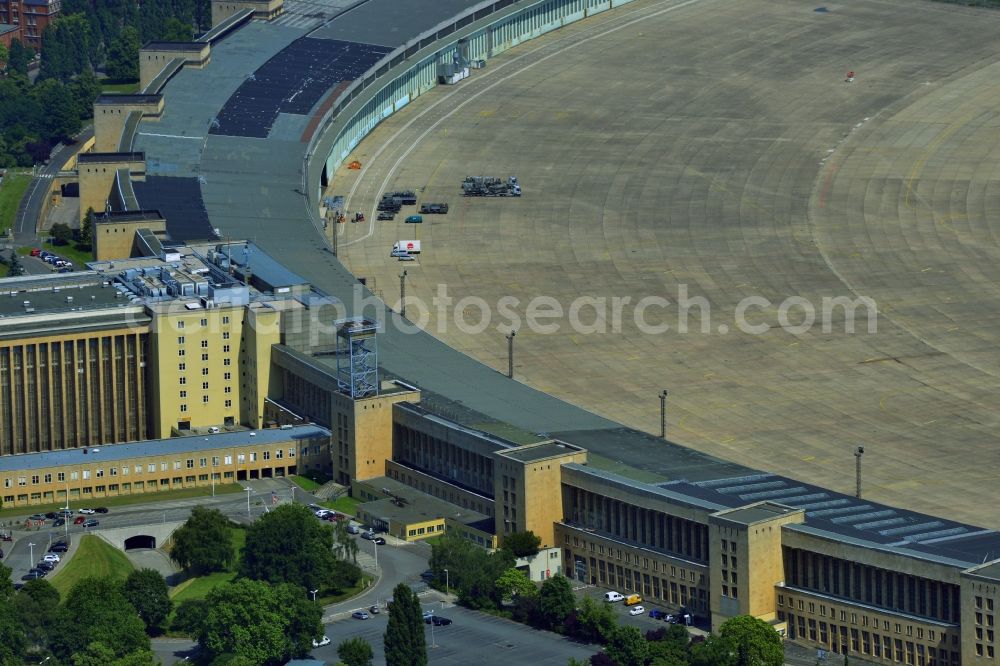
(28, 213)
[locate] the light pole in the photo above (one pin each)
(249, 490)
(447, 583)
(402, 294)
(860, 451)
(510, 353)
(31, 555)
(663, 414)
(313, 592)
(213, 484)
(375, 547)
(433, 642)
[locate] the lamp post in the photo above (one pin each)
(375, 547)
(31, 555)
(447, 583)
(860, 451)
(663, 414)
(510, 353)
(433, 642)
(313, 592)
(402, 294)
(249, 490)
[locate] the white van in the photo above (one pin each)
(613, 596)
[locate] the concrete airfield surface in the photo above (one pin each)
(716, 146)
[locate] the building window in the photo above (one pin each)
(204, 357)
(225, 349)
(215, 461)
(184, 408)
(229, 403)
(229, 460)
(204, 399)
(267, 455)
(180, 340)
(226, 361)
(225, 319)
(184, 394)
(227, 376)
(204, 371)
(204, 322)
(204, 344)
(204, 386)
(180, 352)
(182, 366)
(202, 462)
(151, 467)
(180, 324)
(190, 463)
(182, 381)
(225, 335)
(229, 389)
(61, 476)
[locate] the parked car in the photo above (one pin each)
(101, 509)
(59, 547)
(51, 557)
(378, 541)
(79, 520)
(374, 610)
(35, 251)
(65, 512)
(414, 219)
(658, 614)
(360, 615)
(37, 516)
(87, 512)
(52, 515)
(321, 642)
(434, 208)
(45, 566)
(39, 573)
(428, 575)
(636, 610)
(439, 621)
(32, 576)
(428, 613)
(386, 215)
(406, 257)
(353, 529)
(91, 523)
(613, 596)
(369, 535)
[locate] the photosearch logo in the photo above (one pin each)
(655, 314)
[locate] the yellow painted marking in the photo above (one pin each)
(953, 328)
(809, 458)
(926, 269)
(929, 422)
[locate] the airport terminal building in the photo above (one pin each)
(181, 360)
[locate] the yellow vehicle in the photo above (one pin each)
(633, 599)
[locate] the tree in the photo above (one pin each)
(87, 228)
(175, 30)
(404, 641)
(473, 572)
(14, 266)
(756, 642)
(19, 58)
(4, 54)
(67, 48)
(556, 601)
(355, 652)
(513, 583)
(147, 591)
(190, 616)
(668, 646)
(203, 543)
(61, 233)
(12, 638)
(37, 605)
(122, 62)
(259, 623)
(522, 544)
(97, 612)
(288, 545)
(627, 647)
(713, 651)
(592, 621)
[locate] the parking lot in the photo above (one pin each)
(643, 621)
(472, 637)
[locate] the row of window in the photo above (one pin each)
(61, 477)
(842, 640)
(873, 621)
(629, 558)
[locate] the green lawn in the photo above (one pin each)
(93, 557)
(14, 185)
(199, 587)
(348, 593)
(125, 500)
(305, 483)
(70, 251)
(344, 504)
(121, 88)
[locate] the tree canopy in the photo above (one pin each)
(355, 652)
(147, 591)
(260, 623)
(556, 601)
(472, 571)
(288, 545)
(522, 544)
(754, 641)
(203, 543)
(97, 620)
(404, 640)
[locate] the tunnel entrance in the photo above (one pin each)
(140, 541)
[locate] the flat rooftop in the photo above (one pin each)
(56, 295)
(128, 216)
(541, 451)
(159, 447)
(128, 99)
(757, 513)
(175, 46)
(417, 506)
(103, 158)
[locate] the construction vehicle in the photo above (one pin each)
(488, 186)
